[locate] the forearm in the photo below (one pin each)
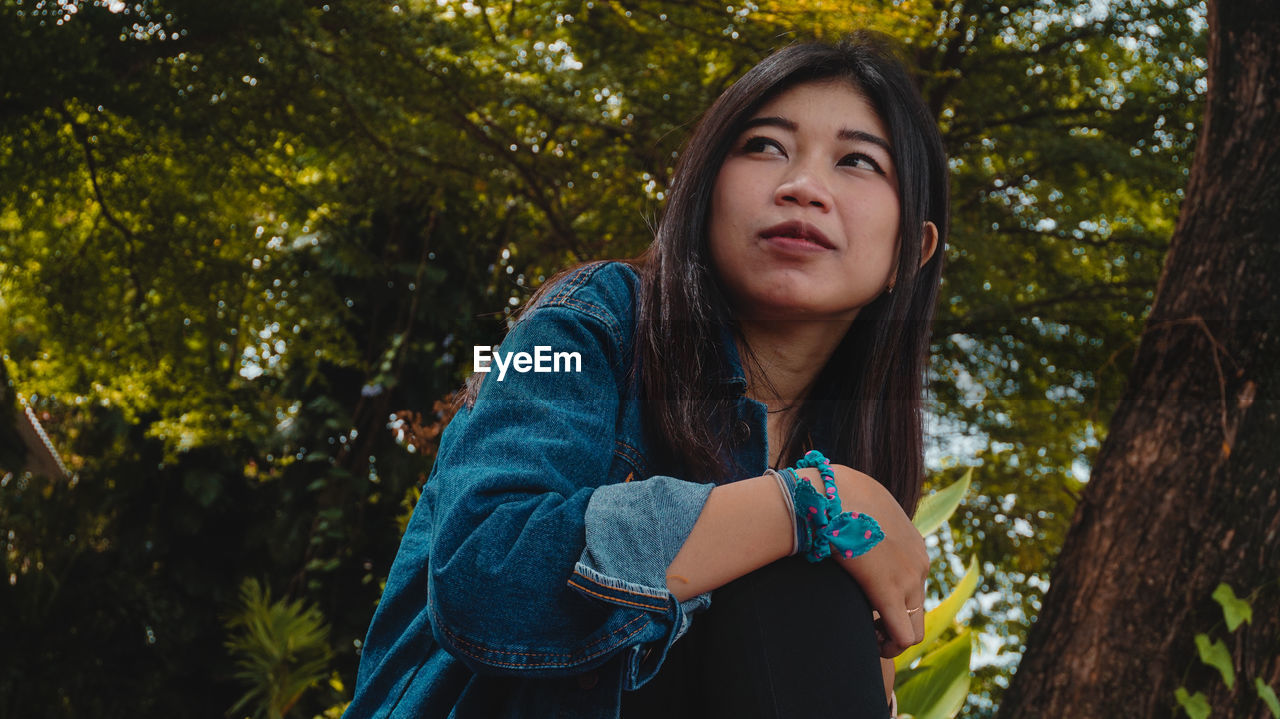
(889, 673)
(743, 526)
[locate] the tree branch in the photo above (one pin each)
(82, 136)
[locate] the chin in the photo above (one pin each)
(780, 312)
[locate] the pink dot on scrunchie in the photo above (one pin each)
(868, 534)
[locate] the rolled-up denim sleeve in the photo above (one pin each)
(538, 565)
(633, 532)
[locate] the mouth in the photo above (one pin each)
(798, 231)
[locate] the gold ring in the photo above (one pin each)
(913, 611)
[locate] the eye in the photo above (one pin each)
(762, 144)
(861, 161)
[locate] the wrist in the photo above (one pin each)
(824, 527)
(786, 488)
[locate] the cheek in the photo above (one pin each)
(726, 259)
(725, 230)
(740, 184)
(876, 216)
(724, 213)
(723, 194)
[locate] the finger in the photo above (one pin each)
(900, 630)
(890, 649)
(917, 625)
(915, 612)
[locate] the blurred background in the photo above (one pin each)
(246, 248)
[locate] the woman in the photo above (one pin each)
(577, 519)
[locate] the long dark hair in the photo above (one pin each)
(872, 386)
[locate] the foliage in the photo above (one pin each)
(1216, 654)
(937, 690)
(937, 685)
(942, 617)
(281, 649)
(936, 508)
(1196, 705)
(13, 452)
(236, 237)
(1234, 609)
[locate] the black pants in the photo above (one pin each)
(789, 641)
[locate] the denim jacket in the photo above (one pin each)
(531, 581)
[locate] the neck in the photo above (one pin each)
(788, 355)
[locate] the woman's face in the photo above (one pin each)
(804, 214)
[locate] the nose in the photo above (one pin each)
(804, 187)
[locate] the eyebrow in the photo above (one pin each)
(844, 134)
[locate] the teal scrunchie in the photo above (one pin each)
(821, 524)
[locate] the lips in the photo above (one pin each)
(798, 231)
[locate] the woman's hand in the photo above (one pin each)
(893, 573)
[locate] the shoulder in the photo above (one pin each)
(608, 286)
(600, 292)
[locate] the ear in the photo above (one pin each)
(928, 242)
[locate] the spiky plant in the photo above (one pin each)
(281, 649)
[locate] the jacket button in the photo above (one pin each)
(588, 680)
(741, 432)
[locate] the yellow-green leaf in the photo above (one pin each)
(934, 509)
(938, 688)
(1268, 696)
(1195, 705)
(1215, 654)
(942, 616)
(1234, 609)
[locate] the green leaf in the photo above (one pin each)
(940, 685)
(1196, 705)
(281, 649)
(934, 509)
(942, 616)
(1215, 654)
(1234, 609)
(1268, 697)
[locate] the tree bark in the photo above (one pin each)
(1186, 490)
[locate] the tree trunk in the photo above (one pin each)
(1186, 490)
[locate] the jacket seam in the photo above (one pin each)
(576, 280)
(593, 310)
(563, 296)
(566, 659)
(662, 597)
(606, 597)
(631, 456)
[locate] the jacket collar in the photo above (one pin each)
(734, 375)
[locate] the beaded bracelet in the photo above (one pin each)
(821, 522)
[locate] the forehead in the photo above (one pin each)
(831, 104)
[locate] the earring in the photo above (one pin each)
(889, 290)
